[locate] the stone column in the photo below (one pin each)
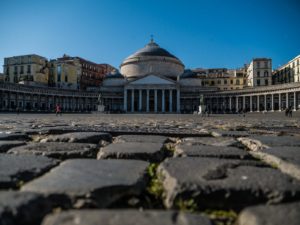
(279, 101)
(132, 100)
(230, 105)
(170, 100)
(140, 100)
(244, 102)
(272, 102)
(287, 100)
(257, 103)
(295, 101)
(178, 101)
(236, 103)
(265, 102)
(155, 100)
(163, 101)
(251, 103)
(147, 104)
(125, 100)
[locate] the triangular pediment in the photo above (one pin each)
(151, 79)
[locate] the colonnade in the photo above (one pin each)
(15, 97)
(254, 102)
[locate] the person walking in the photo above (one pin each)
(57, 110)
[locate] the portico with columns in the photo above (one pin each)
(152, 94)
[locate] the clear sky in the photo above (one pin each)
(202, 33)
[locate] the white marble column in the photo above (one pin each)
(272, 102)
(257, 103)
(155, 100)
(265, 98)
(244, 102)
(178, 101)
(147, 106)
(125, 100)
(140, 100)
(236, 103)
(295, 102)
(163, 101)
(230, 103)
(251, 103)
(287, 100)
(170, 100)
(279, 102)
(132, 100)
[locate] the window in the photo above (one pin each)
(28, 69)
(266, 64)
(258, 73)
(266, 73)
(237, 82)
(225, 81)
(66, 78)
(15, 70)
(219, 81)
(258, 82)
(22, 70)
(59, 73)
(212, 83)
(266, 82)
(7, 70)
(258, 64)
(231, 81)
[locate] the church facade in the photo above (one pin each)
(152, 80)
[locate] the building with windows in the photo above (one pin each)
(29, 69)
(259, 72)
(288, 73)
(90, 74)
(223, 79)
(64, 74)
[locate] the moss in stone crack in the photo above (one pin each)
(188, 205)
(20, 183)
(155, 187)
(221, 217)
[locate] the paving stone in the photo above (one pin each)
(141, 138)
(256, 143)
(229, 133)
(22, 208)
(125, 217)
(271, 215)
(152, 152)
(16, 169)
(6, 145)
(183, 150)
(215, 141)
(13, 136)
(79, 137)
(90, 181)
(287, 159)
(58, 150)
(223, 183)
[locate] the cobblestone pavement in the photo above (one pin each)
(149, 169)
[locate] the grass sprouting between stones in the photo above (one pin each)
(155, 187)
(221, 217)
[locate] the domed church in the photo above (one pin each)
(151, 80)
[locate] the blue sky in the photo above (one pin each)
(210, 33)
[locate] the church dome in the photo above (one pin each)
(152, 59)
